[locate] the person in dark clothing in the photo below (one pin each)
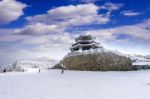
(63, 67)
(62, 71)
(4, 70)
(39, 70)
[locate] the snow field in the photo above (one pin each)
(75, 85)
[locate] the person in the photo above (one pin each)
(62, 71)
(4, 70)
(63, 68)
(39, 70)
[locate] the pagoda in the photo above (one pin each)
(85, 42)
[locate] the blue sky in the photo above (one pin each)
(39, 28)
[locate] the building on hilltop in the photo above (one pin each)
(85, 42)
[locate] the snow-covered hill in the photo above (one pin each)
(10, 67)
(140, 60)
(41, 63)
(147, 56)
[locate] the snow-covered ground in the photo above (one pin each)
(75, 85)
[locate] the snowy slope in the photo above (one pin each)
(42, 63)
(140, 60)
(147, 56)
(9, 68)
(75, 85)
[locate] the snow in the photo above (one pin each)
(43, 63)
(9, 68)
(141, 63)
(99, 50)
(40, 63)
(76, 53)
(75, 85)
(140, 60)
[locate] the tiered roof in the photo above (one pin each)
(85, 42)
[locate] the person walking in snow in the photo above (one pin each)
(62, 71)
(39, 70)
(63, 68)
(4, 71)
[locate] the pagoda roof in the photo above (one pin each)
(80, 42)
(84, 45)
(85, 42)
(84, 37)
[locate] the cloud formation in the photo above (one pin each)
(10, 10)
(57, 20)
(130, 13)
(139, 31)
(112, 6)
(51, 27)
(38, 29)
(87, 1)
(72, 15)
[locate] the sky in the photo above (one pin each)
(47, 28)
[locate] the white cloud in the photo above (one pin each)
(59, 19)
(64, 17)
(38, 29)
(73, 11)
(10, 38)
(130, 13)
(140, 31)
(10, 10)
(112, 6)
(87, 1)
(72, 15)
(6, 35)
(53, 39)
